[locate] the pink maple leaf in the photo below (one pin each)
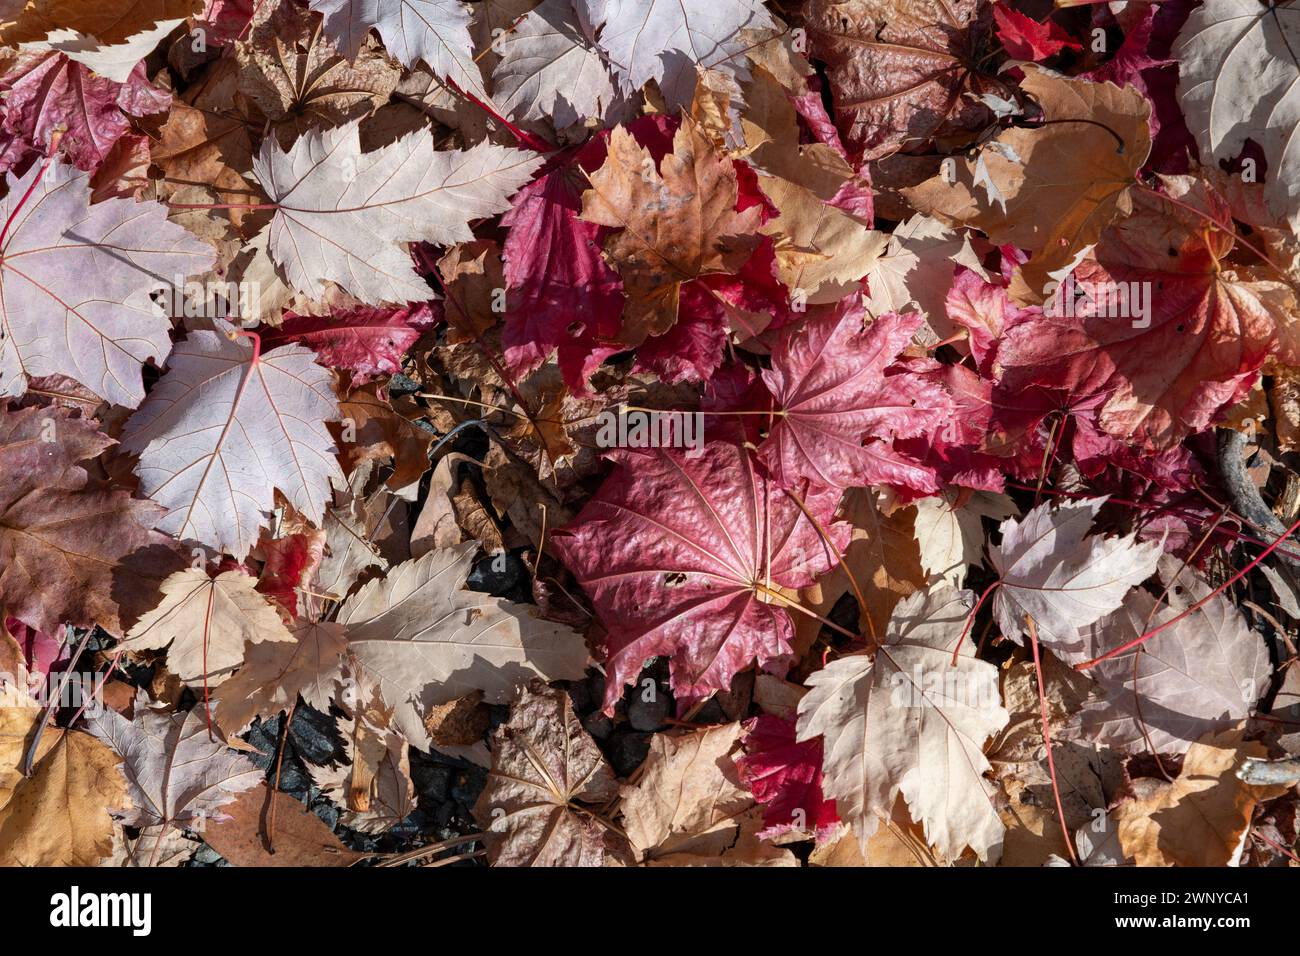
(786, 777)
(44, 92)
(838, 410)
(368, 342)
(682, 557)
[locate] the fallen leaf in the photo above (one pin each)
(546, 789)
(677, 221)
(425, 641)
(909, 722)
(204, 623)
(1199, 819)
(300, 838)
(1051, 569)
(60, 815)
(215, 464)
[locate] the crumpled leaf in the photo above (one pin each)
(900, 70)
(424, 640)
(689, 805)
(677, 222)
(46, 92)
(547, 788)
(375, 788)
(1200, 818)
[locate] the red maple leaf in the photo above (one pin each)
(1168, 373)
(45, 92)
(786, 777)
(683, 557)
(838, 410)
(562, 296)
(954, 449)
(367, 341)
(1027, 39)
(289, 562)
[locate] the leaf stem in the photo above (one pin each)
(843, 564)
(1143, 638)
(796, 606)
(970, 619)
(1224, 228)
(45, 166)
(1047, 738)
(52, 704)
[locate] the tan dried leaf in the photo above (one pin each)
(547, 788)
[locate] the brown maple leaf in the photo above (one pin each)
(676, 223)
(1051, 189)
(547, 784)
(900, 70)
(72, 551)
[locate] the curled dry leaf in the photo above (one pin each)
(1199, 819)
(425, 641)
(547, 789)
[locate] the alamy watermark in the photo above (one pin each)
(923, 688)
(1107, 300)
(212, 300)
(623, 427)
